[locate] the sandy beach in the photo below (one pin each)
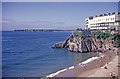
(101, 71)
(95, 68)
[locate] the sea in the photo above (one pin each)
(28, 54)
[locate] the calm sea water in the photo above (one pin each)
(28, 54)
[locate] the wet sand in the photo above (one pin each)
(94, 68)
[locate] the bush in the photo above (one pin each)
(116, 38)
(102, 35)
(78, 34)
(107, 37)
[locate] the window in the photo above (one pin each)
(113, 23)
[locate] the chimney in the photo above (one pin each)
(105, 14)
(118, 13)
(101, 14)
(91, 17)
(113, 13)
(109, 13)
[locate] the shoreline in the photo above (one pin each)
(70, 68)
(86, 66)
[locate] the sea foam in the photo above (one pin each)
(89, 60)
(56, 73)
(82, 63)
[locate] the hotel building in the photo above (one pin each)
(103, 22)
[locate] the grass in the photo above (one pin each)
(78, 34)
(106, 36)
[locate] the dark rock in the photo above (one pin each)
(84, 44)
(105, 67)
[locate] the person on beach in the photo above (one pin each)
(112, 74)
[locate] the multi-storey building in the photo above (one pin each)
(103, 22)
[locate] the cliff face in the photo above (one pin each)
(84, 44)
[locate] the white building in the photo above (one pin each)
(103, 22)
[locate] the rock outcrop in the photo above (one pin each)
(84, 44)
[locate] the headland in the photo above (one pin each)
(103, 43)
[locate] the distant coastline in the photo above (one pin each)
(44, 30)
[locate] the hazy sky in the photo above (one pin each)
(52, 15)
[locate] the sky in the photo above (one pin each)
(52, 15)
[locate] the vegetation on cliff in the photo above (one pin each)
(87, 41)
(107, 36)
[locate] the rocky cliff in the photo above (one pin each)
(84, 44)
